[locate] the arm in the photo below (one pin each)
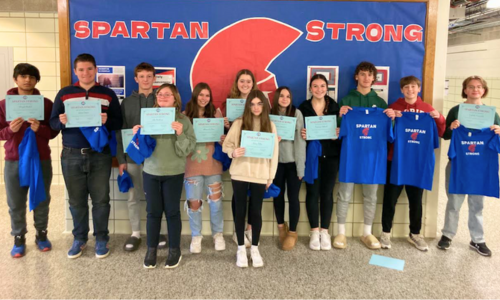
(57, 109)
(5, 132)
(441, 125)
(299, 145)
(44, 130)
(273, 167)
(231, 142)
(186, 141)
(114, 121)
(452, 116)
(120, 152)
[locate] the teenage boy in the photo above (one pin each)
(410, 88)
(144, 75)
(26, 77)
(86, 171)
(363, 96)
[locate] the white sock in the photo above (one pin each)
(242, 248)
(367, 230)
(255, 247)
(342, 229)
(137, 234)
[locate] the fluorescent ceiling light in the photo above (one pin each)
(493, 4)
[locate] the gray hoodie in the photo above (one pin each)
(131, 113)
(295, 151)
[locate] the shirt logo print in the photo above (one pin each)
(365, 131)
(472, 148)
(414, 136)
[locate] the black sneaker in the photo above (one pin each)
(481, 248)
(444, 243)
(150, 259)
(19, 248)
(42, 242)
(174, 258)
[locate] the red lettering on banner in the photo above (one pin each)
(140, 28)
(200, 30)
(179, 30)
(413, 33)
(100, 28)
(355, 30)
(160, 27)
(120, 29)
(374, 32)
(82, 29)
(315, 32)
(335, 27)
(394, 33)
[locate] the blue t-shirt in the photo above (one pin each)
(474, 162)
(413, 161)
(363, 156)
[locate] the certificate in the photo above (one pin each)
(476, 116)
(127, 135)
(24, 106)
(157, 120)
(321, 128)
(285, 126)
(208, 130)
(234, 108)
(257, 144)
(83, 113)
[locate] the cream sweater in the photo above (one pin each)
(250, 169)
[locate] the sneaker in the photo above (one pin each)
(340, 241)
(314, 243)
(42, 241)
(19, 249)
(481, 248)
(247, 242)
(162, 244)
(101, 249)
(418, 241)
(174, 258)
(241, 258)
(132, 244)
(150, 259)
(195, 246)
(257, 261)
(385, 240)
(76, 249)
(219, 242)
(444, 243)
(326, 240)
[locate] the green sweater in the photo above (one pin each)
(453, 115)
(356, 99)
(169, 156)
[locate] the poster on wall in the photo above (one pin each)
(331, 74)
(164, 75)
(381, 85)
(276, 40)
(112, 77)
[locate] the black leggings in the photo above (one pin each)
(286, 176)
(257, 190)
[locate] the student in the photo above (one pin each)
(362, 96)
(248, 173)
(411, 102)
(291, 165)
(163, 174)
(203, 172)
(26, 77)
(321, 104)
(86, 171)
(474, 88)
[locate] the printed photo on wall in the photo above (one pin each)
(381, 85)
(112, 77)
(332, 75)
(164, 75)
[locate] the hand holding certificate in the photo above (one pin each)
(257, 144)
(476, 116)
(234, 108)
(321, 128)
(285, 126)
(208, 130)
(83, 113)
(24, 106)
(157, 120)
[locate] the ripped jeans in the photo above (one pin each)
(194, 191)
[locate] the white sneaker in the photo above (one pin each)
(326, 240)
(257, 261)
(219, 242)
(247, 242)
(241, 258)
(385, 240)
(195, 246)
(314, 243)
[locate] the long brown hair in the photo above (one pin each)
(235, 93)
(290, 109)
(175, 92)
(192, 107)
(327, 98)
(247, 118)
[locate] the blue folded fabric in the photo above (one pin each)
(98, 137)
(140, 147)
(313, 151)
(221, 156)
(272, 192)
(30, 169)
(113, 143)
(124, 182)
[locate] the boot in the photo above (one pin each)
(282, 232)
(290, 241)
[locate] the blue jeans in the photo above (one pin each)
(87, 174)
(194, 191)
(453, 212)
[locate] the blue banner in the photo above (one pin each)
(210, 40)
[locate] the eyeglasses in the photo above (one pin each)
(164, 95)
